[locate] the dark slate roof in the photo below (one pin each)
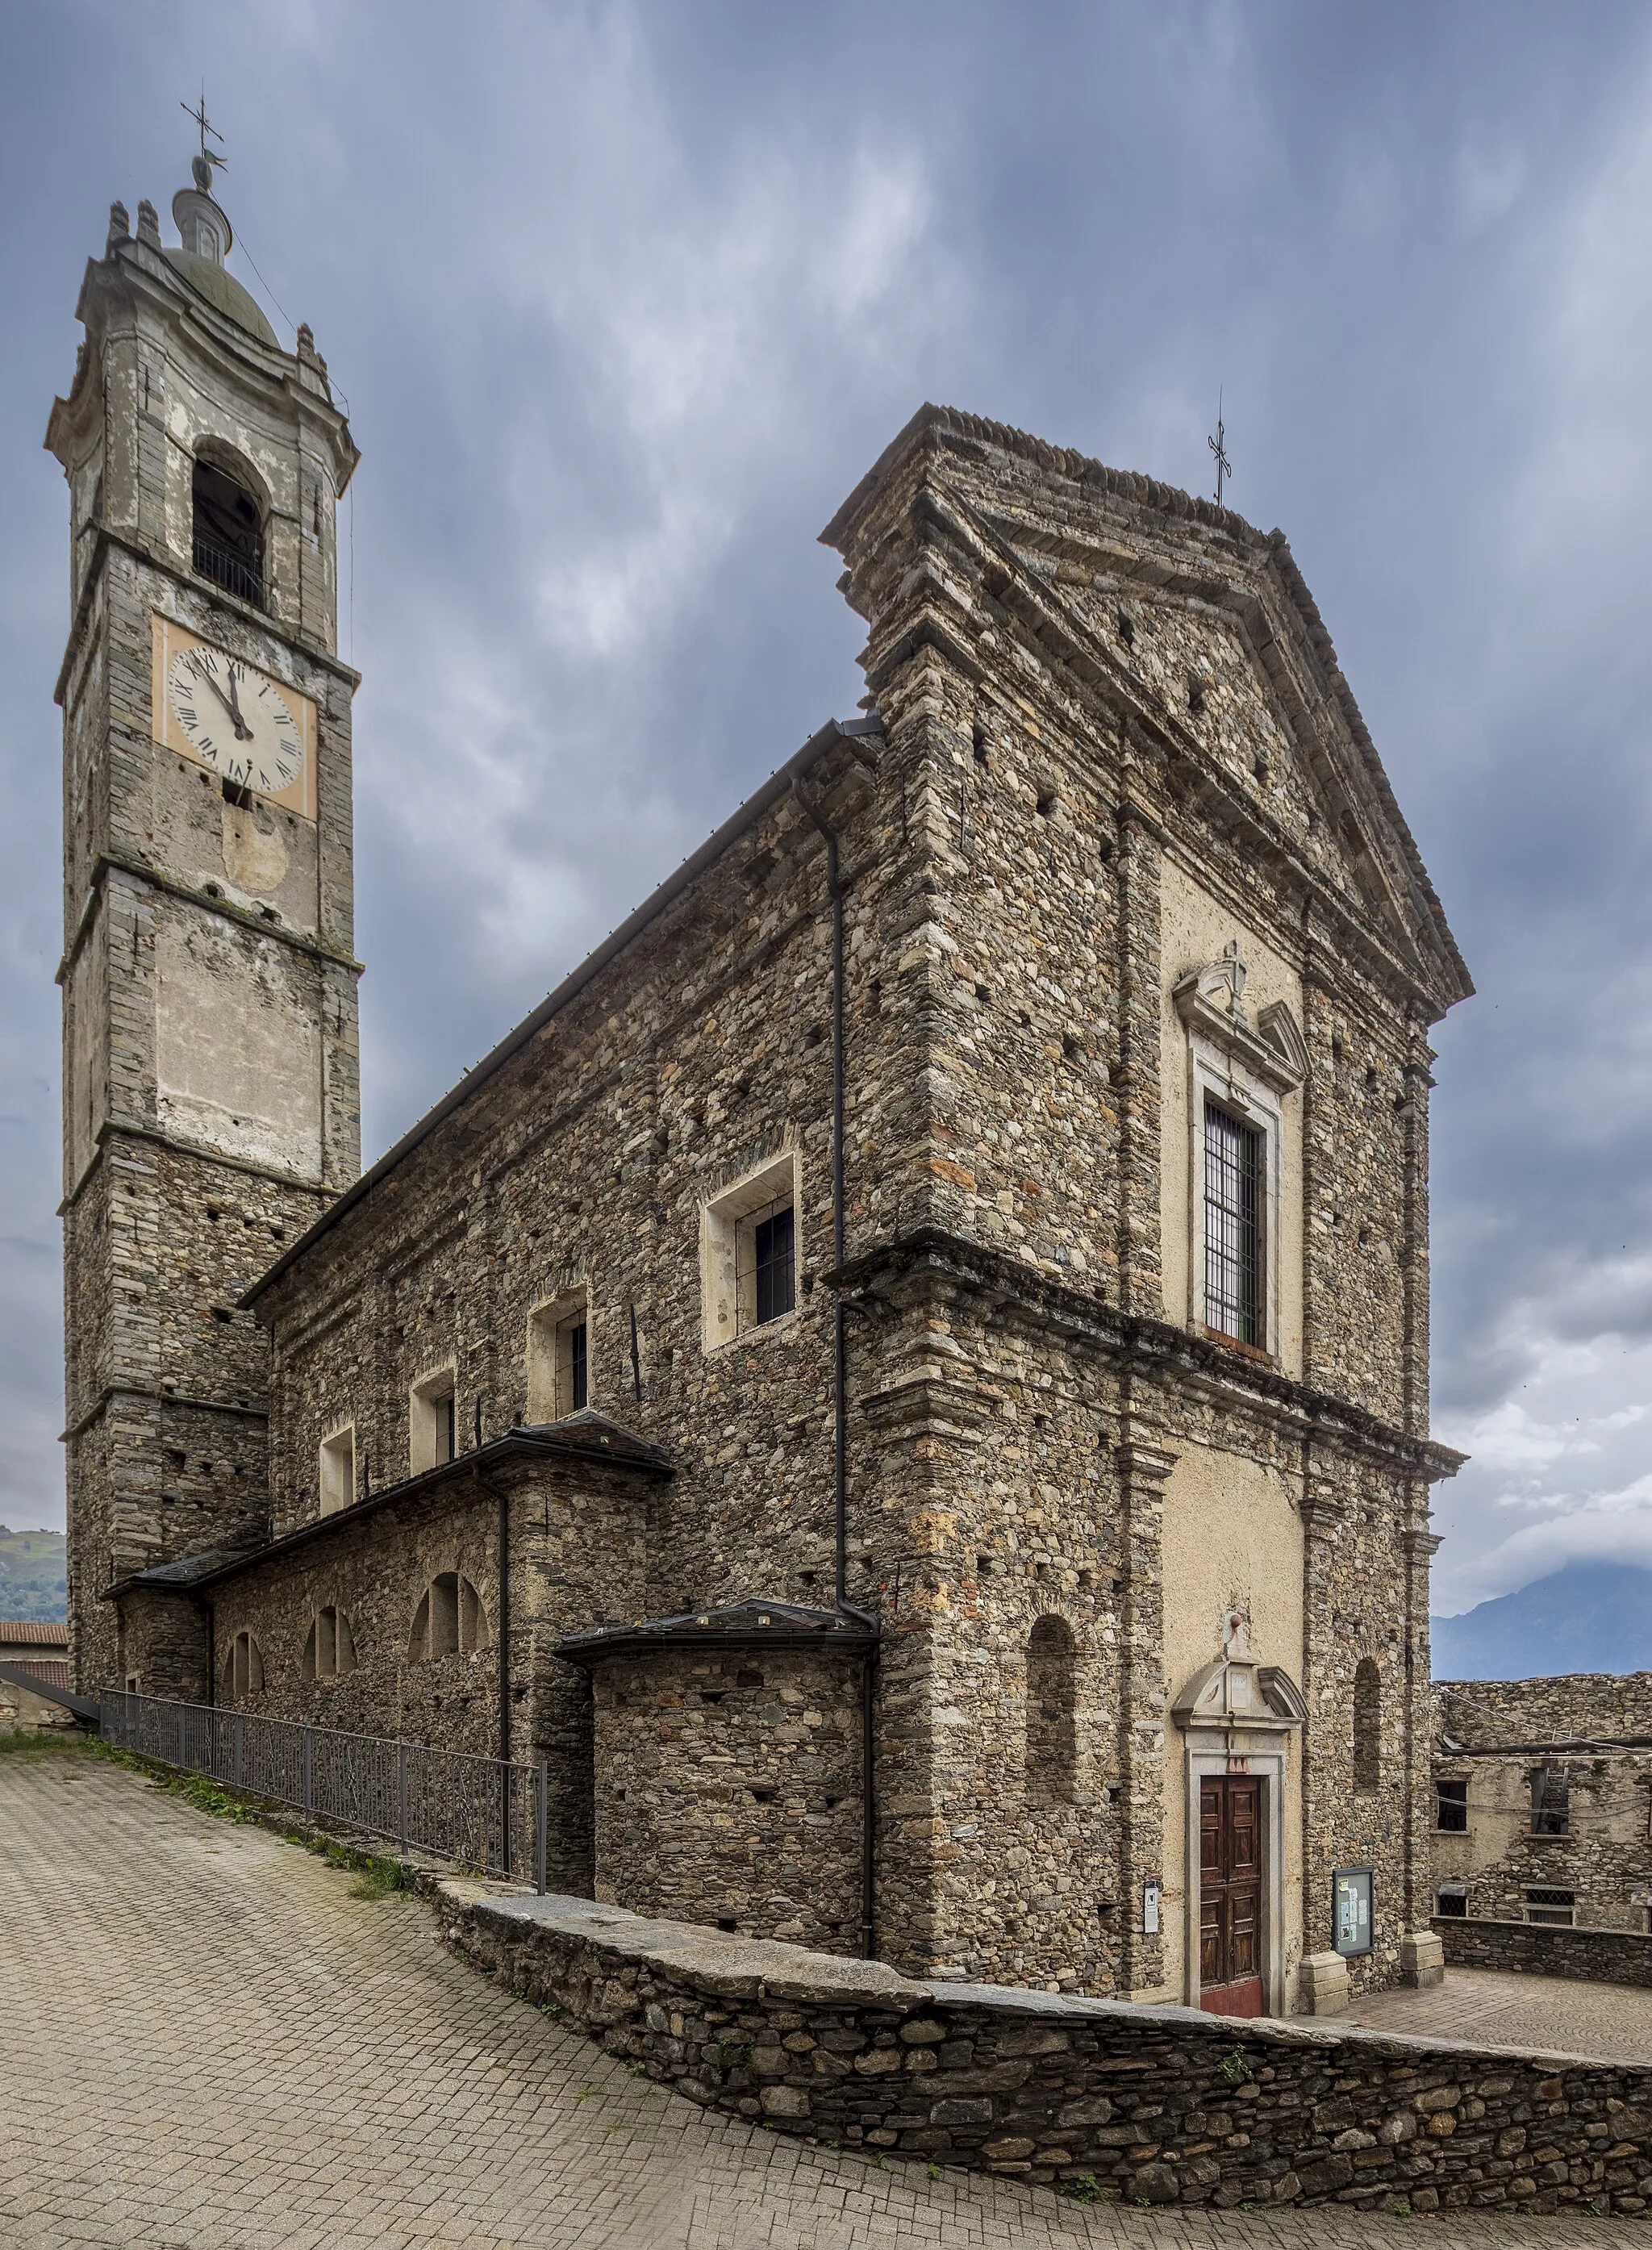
(585, 1436)
(752, 1624)
(189, 1570)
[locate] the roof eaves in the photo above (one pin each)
(775, 787)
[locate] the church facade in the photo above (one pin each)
(905, 1380)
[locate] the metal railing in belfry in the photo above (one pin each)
(488, 1814)
(237, 574)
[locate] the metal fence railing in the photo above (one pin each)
(485, 1814)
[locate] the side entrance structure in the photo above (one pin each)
(905, 1379)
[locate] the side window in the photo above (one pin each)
(1236, 1240)
(337, 1469)
(1051, 1713)
(1550, 1802)
(430, 1426)
(330, 1649)
(1367, 1725)
(558, 1355)
(1451, 1809)
(243, 1673)
(749, 1253)
(449, 1620)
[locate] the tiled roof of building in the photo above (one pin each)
(30, 1632)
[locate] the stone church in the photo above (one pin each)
(905, 1380)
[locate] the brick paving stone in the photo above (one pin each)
(228, 2052)
(1545, 2015)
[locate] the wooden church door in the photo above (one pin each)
(1230, 1807)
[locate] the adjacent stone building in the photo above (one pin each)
(1542, 1801)
(905, 1380)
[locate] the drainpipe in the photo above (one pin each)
(840, 1399)
(503, 1500)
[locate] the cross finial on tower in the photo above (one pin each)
(202, 167)
(1224, 466)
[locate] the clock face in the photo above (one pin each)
(236, 719)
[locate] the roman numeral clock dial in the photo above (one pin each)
(234, 718)
(237, 719)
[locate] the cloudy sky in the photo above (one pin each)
(625, 298)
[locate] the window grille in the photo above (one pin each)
(1451, 1810)
(1233, 1227)
(1551, 1811)
(445, 1447)
(1452, 1899)
(1557, 1908)
(767, 1276)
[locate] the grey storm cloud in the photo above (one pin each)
(625, 299)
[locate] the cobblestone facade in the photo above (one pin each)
(1571, 1755)
(1111, 846)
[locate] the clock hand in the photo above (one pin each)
(243, 732)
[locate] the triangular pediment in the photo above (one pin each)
(1182, 619)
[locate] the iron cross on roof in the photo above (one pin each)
(202, 166)
(1224, 466)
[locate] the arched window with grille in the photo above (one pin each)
(1367, 1724)
(228, 545)
(449, 1620)
(330, 1650)
(243, 1673)
(1052, 1726)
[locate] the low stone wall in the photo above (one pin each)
(1601, 1956)
(1162, 2105)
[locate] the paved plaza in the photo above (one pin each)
(213, 2046)
(1548, 2015)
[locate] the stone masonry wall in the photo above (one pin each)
(210, 1059)
(1496, 1735)
(728, 1790)
(1154, 2105)
(1017, 1395)
(1609, 1957)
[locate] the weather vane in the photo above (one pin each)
(1224, 466)
(202, 166)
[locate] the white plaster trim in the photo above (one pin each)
(720, 1222)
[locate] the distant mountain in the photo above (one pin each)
(33, 1583)
(1590, 1617)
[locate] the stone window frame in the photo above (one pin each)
(1248, 1070)
(425, 1397)
(333, 1449)
(547, 1351)
(728, 1221)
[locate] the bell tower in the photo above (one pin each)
(210, 1104)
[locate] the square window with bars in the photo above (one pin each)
(766, 1263)
(1233, 1243)
(1557, 1908)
